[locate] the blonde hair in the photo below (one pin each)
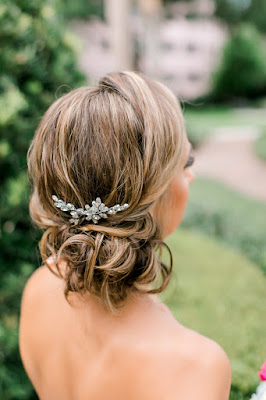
(121, 141)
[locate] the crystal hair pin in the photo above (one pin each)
(95, 212)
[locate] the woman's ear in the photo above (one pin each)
(159, 212)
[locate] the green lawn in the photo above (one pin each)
(220, 294)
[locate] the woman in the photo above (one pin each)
(91, 325)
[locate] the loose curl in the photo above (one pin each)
(121, 141)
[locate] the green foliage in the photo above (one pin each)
(236, 11)
(231, 11)
(36, 58)
(256, 13)
(14, 383)
(260, 146)
(220, 294)
(165, 2)
(234, 218)
(84, 9)
(242, 70)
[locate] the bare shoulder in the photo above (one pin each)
(31, 289)
(31, 300)
(189, 367)
(204, 349)
(208, 366)
(30, 303)
(39, 291)
(210, 358)
(42, 280)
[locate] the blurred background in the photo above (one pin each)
(212, 54)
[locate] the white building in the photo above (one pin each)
(188, 50)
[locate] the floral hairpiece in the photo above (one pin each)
(95, 212)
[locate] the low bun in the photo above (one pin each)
(108, 262)
(121, 141)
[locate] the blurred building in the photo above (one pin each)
(181, 50)
(190, 52)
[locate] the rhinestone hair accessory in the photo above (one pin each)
(95, 212)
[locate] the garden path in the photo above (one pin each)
(228, 156)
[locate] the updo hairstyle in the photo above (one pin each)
(121, 141)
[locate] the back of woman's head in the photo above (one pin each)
(121, 141)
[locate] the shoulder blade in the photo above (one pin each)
(177, 371)
(204, 375)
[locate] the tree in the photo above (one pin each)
(238, 11)
(84, 9)
(242, 71)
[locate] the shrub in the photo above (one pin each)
(83, 9)
(36, 58)
(242, 70)
(233, 12)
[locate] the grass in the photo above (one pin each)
(234, 218)
(219, 293)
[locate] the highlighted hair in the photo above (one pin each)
(121, 141)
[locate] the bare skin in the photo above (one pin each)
(85, 353)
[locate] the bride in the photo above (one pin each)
(111, 167)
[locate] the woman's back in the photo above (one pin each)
(79, 353)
